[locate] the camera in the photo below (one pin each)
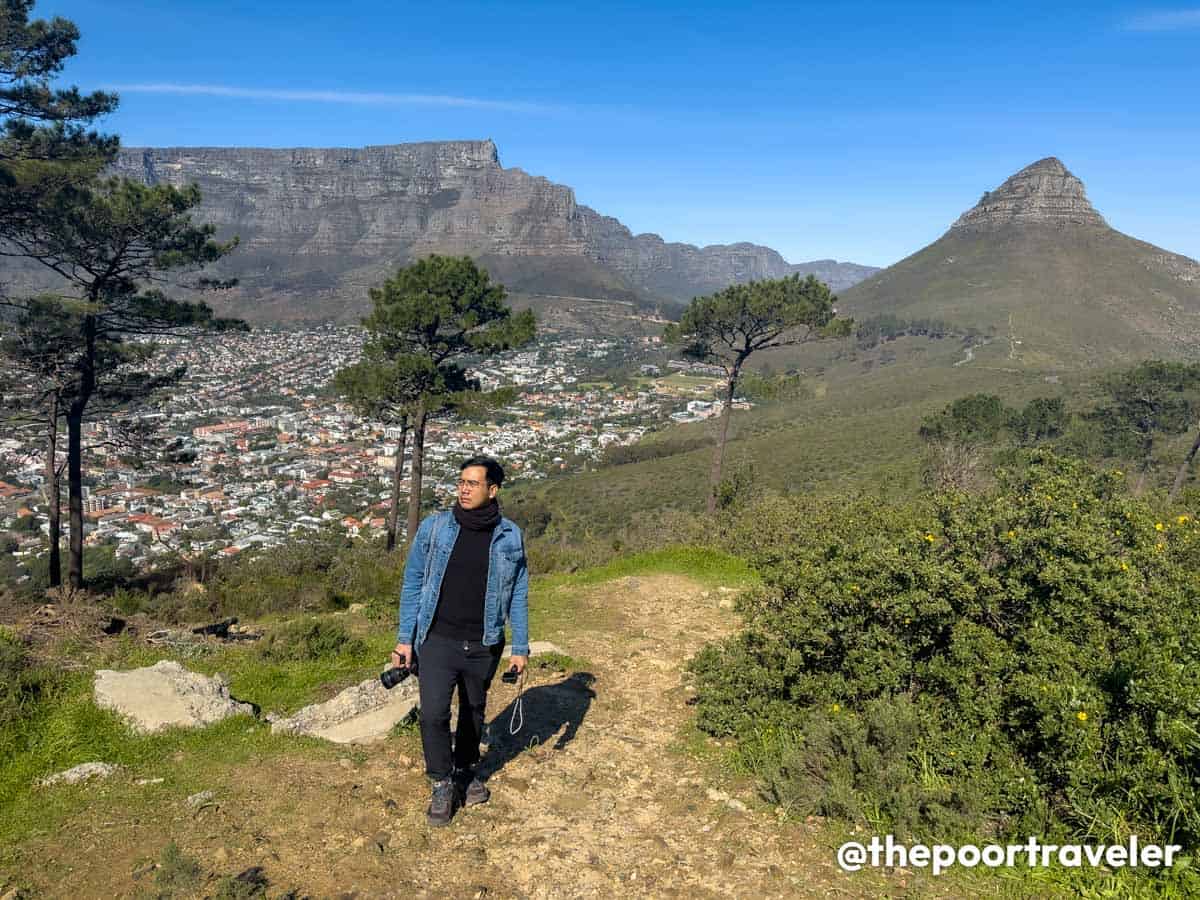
(389, 678)
(510, 677)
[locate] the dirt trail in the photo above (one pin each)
(598, 806)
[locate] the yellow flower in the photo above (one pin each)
(907, 620)
(1158, 526)
(1160, 547)
(836, 708)
(930, 538)
(1118, 472)
(1124, 567)
(1081, 716)
(953, 753)
(1074, 506)
(854, 587)
(1182, 520)
(1012, 534)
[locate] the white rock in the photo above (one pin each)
(166, 694)
(201, 799)
(359, 714)
(81, 772)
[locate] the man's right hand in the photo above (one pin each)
(402, 655)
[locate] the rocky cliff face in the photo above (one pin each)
(1043, 193)
(319, 226)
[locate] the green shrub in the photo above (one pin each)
(249, 884)
(312, 639)
(826, 772)
(323, 572)
(1025, 661)
(178, 873)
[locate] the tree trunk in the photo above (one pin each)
(75, 494)
(418, 454)
(87, 384)
(54, 496)
(714, 481)
(1181, 475)
(394, 509)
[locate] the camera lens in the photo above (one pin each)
(392, 677)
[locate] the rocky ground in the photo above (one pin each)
(592, 797)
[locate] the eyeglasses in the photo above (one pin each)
(462, 482)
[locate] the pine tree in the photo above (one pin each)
(730, 326)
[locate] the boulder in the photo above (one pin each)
(359, 714)
(166, 694)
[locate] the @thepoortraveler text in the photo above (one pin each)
(886, 851)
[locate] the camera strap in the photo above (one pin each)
(518, 706)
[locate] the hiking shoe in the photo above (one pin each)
(444, 802)
(476, 792)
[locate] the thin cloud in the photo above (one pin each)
(360, 98)
(1165, 20)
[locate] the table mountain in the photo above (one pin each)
(1035, 264)
(319, 226)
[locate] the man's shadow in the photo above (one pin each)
(543, 711)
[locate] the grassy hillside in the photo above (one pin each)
(858, 431)
(1072, 298)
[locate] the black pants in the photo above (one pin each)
(443, 664)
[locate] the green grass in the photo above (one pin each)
(709, 567)
(559, 662)
(281, 686)
(70, 730)
(66, 728)
(858, 432)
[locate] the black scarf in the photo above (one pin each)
(485, 518)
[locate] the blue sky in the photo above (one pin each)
(857, 131)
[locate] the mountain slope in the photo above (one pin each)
(318, 227)
(1034, 263)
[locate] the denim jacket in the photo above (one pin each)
(507, 593)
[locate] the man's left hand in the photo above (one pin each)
(518, 662)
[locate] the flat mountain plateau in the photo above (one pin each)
(319, 227)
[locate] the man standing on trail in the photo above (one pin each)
(466, 575)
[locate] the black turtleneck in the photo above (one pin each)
(459, 613)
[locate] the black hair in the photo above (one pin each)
(495, 472)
